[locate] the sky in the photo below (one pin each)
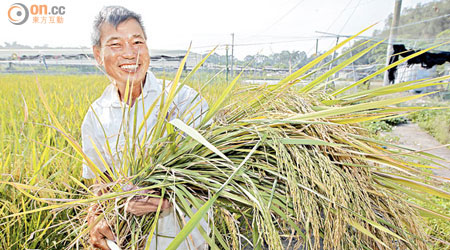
(259, 26)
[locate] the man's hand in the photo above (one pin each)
(143, 205)
(100, 232)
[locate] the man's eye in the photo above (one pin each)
(114, 45)
(138, 42)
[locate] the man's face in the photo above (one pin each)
(123, 52)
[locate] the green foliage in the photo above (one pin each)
(284, 60)
(439, 230)
(35, 154)
(276, 159)
(384, 125)
(396, 121)
(436, 122)
(420, 35)
(417, 14)
(375, 56)
(375, 127)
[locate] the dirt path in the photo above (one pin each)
(412, 136)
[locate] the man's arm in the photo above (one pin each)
(142, 205)
(92, 139)
(101, 230)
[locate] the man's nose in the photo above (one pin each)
(129, 51)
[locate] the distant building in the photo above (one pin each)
(83, 57)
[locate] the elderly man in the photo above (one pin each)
(119, 46)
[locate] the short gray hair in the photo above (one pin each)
(113, 15)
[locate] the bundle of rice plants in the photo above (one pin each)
(288, 166)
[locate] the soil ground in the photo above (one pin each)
(412, 136)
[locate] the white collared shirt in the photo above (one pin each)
(105, 122)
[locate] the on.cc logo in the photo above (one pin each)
(18, 14)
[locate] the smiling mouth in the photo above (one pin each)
(129, 68)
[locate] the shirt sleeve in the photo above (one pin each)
(88, 138)
(190, 107)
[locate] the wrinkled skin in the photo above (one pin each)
(121, 47)
(143, 205)
(137, 206)
(101, 231)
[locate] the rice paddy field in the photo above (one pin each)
(33, 153)
(291, 165)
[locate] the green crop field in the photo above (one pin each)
(317, 169)
(32, 152)
(35, 154)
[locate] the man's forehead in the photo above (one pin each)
(125, 30)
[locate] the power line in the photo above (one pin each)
(342, 11)
(348, 19)
(324, 37)
(363, 3)
(264, 43)
(379, 39)
(307, 38)
(283, 16)
(278, 20)
(423, 21)
(311, 38)
(351, 15)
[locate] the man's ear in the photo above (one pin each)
(97, 54)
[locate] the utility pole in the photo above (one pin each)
(317, 46)
(392, 36)
(355, 76)
(226, 48)
(232, 53)
(290, 65)
(329, 34)
(331, 63)
(334, 53)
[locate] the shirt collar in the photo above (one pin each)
(110, 97)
